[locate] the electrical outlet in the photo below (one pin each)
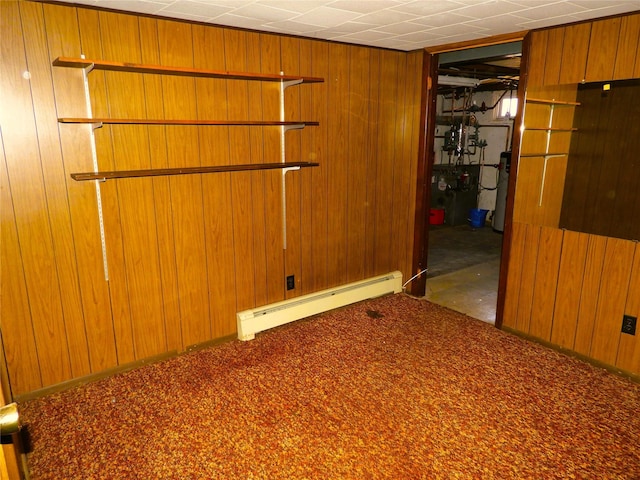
(291, 282)
(629, 324)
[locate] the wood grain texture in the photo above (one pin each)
(528, 277)
(518, 237)
(546, 282)
(628, 355)
(627, 64)
(185, 253)
(569, 287)
(616, 268)
(603, 46)
(575, 49)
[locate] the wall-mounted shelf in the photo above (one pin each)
(549, 129)
(544, 129)
(81, 177)
(142, 121)
(553, 102)
(543, 154)
(179, 71)
(284, 81)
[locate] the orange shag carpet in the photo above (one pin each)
(395, 388)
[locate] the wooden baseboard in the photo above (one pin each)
(94, 377)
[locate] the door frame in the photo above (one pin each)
(426, 158)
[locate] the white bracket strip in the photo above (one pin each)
(284, 205)
(283, 130)
(94, 157)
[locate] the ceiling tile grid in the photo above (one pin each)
(397, 24)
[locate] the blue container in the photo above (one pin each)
(477, 217)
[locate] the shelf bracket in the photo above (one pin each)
(283, 130)
(284, 204)
(94, 157)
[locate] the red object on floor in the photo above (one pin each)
(436, 216)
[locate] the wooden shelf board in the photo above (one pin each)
(187, 170)
(142, 121)
(180, 71)
(543, 154)
(550, 129)
(552, 102)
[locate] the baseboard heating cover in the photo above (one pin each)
(260, 319)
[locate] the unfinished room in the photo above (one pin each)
(319, 239)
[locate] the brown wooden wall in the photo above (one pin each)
(569, 288)
(185, 253)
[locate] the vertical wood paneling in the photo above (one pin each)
(320, 174)
(270, 63)
(25, 179)
(386, 151)
(186, 192)
(537, 58)
(628, 355)
(357, 163)
(120, 39)
(37, 56)
(589, 295)
(569, 287)
(603, 45)
(235, 54)
(185, 253)
(554, 52)
(401, 169)
(546, 281)
(89, 27)
(18, 339)
(412, 78)
(618, 260)
(256, 135)
(575, 48)
(518, 237)
(161, 188)
(337, 159)
(528, 277)
(290, 59)
(372, 159)
(307, 203)
(217, 189)
(627, 64)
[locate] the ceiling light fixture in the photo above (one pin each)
(457, 81)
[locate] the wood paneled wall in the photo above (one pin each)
(569, 288)
(185, 253)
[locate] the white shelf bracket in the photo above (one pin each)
(94, 157)
(283, 130)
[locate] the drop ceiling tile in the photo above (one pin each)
(425, 8)
(262, 12)
(188, 7)
(327, 17)
(549, 11)
(359, 6)
(402, 28)
(231, 20)
(499, 23)
(384, 17)
(298, 7)
(449, 20)
(292, 27)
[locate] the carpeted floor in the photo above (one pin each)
(394, 388)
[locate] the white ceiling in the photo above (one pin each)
(397, 24)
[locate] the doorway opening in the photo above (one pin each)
(475, 111)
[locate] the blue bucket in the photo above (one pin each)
(477, 217)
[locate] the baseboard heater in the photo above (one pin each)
(260, 319)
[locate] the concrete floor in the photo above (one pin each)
(464, 265)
